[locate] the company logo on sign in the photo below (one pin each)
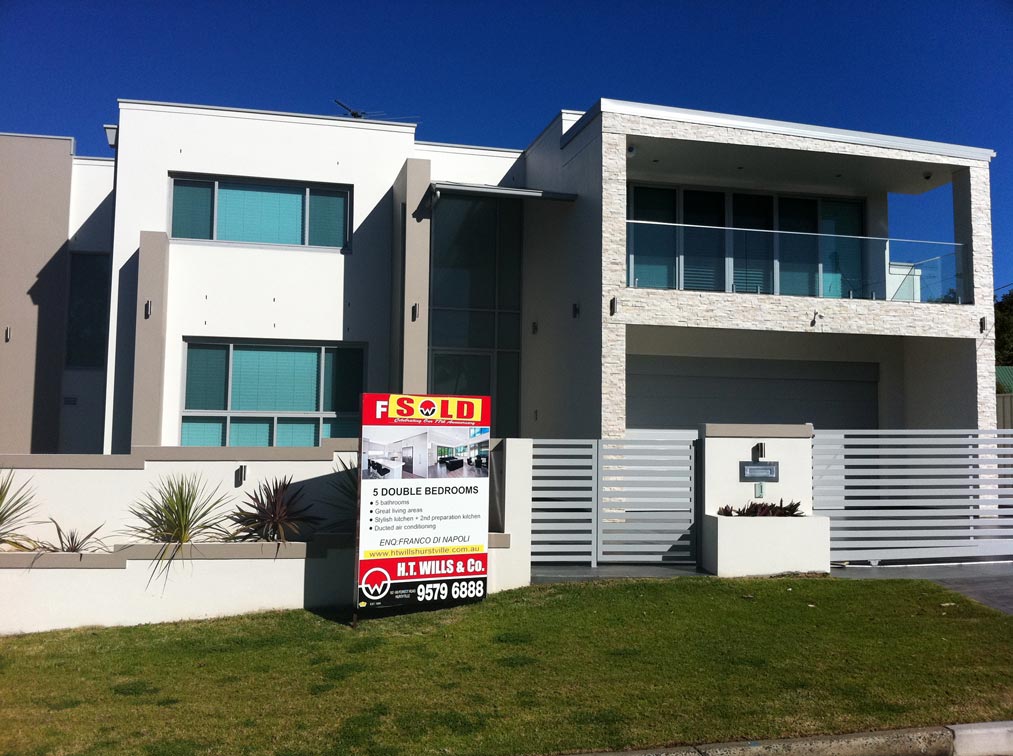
(448, 408)
(375, 584)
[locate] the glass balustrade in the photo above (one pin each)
(708, 258)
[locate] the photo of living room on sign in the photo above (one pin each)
(394, 453)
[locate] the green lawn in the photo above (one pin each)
(540, 670)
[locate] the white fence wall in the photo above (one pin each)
(926, 494)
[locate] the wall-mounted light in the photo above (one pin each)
(613, 306)
(147, 309)
(7, 334)
(534, 327)
(576, 309)
(112, 134)
(983, 324)
(415, 312)
(240, 475)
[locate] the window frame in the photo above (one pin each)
(307, 186)
(228, 414)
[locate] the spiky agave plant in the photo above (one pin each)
(177, 510)
(16, 506)
(272, 512)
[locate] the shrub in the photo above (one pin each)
(16, 506)
(72, 541)
(764, 509)
(272, 513)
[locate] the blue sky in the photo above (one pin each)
(495, 72)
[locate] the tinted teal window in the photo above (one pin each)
(255, 213)
(342, 380)
(338, 427)
(272, 379)
(296, 431)
(250, 431)
(327, 218)
(206, 370)
(192, 209)
(203, 431)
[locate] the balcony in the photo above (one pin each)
(749, 261)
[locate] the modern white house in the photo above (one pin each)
(238, 278)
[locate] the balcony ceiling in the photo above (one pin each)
(709, 163)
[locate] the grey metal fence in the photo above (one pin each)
(645, 499)
(564, 501)
(904, 495)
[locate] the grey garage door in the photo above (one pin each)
(685, 392)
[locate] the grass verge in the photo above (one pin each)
(545, 669)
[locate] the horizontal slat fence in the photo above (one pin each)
(906, 494)
(564, 501)
(645, 500)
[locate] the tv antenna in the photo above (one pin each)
(357, 113)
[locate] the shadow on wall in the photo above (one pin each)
(49, 295)
(123, 364)
(367, 285)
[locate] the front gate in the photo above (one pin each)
(617, 501)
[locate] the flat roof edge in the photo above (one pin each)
(451, 147)
(344, 120)
(73, 143)
(669, 113)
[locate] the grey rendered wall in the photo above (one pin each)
(561, 363)
(35, 202)
(410, 278)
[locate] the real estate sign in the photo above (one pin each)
(423, 500)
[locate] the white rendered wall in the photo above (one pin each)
(721, 471)
(155, 140)
(238, 291)
(48, 599)
(470, 165)
(91, 222)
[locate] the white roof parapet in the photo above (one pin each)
(333, 119)
(669, 113)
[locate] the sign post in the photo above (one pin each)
(423, 501)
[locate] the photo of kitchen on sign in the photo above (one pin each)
(393, 452)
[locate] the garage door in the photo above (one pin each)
(685, 392)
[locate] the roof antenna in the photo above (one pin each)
(351, 112)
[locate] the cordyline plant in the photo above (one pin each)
(272, 513)
(764, 509)
(73, 541)
(16, 506)
(178, 510)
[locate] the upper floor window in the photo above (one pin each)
(260, 212)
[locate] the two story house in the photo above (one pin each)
(238, 278)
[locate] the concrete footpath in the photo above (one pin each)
(983, 739)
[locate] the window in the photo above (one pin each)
(475, 302)
(88, 310)
(263, 213)
(722, 240)
(246, 394)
